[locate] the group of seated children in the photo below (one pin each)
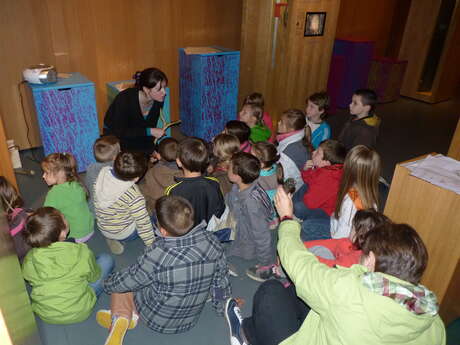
(180, 207)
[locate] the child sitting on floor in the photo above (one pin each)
(67, 194)
(258, 99)
(363, 126)
(16, 215)
(291, 147)
(224, 147)
(271, 173)
(252, 210)
(65, 276)
(105, 150)
(162, 173)
(169, 284)
(347, 251)
(121, 212)
(321, 175)
(251, 114)
(317, 105)
(202, 192)
(240, 130)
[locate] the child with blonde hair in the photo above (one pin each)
(252, 114)
(317, 105)
(16, 215)
(105, 150)
(67, 194)
(224, 147)
(258, 99)
(291, 146)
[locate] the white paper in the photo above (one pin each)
(439, 170)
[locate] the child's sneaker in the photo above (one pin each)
(234, 320)
(232, 270)
(104, 319)
(279, 274)
(260, 273)
(116, 247)
(117, 331)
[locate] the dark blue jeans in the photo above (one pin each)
(106, 263)
(277, 313)
(316, 222)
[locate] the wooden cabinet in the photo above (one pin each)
(435, 213)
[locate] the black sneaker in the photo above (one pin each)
(234, 320)
(260, 273)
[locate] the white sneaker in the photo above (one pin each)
(116, 247)
(232, 270)
(235, 321)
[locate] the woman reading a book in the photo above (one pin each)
(134, 114)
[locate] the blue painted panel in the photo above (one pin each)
(68, 121)
(208, 92)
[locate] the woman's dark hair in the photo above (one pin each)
(44, 227)
(175, 214)
(149, 77)
(246, 166)
(130, 165)
(363, 222)
(239, 129)
(399, 251)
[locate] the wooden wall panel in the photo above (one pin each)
(106, 40)
(454, 148)
(6, 168)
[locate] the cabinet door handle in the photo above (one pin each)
(65, 89)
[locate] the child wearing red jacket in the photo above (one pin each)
(347, 251)
(322, 174)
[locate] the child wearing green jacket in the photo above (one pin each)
(380, 301)
(65, 276)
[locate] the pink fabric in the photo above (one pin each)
(246, 147)
(18, 228)
(283, 136)
(267, 120)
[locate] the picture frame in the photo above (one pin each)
(315, 22)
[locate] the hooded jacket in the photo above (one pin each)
(360, 132)
(60, 275)
(120, 208)
(349, 306)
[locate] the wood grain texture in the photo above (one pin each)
(454, 149)
(433, 212)
(6, 168)
(106, 41)
(301, 63)
(414, 48)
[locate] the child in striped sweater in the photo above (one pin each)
(121, 212)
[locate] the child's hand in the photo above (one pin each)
(240, 301)
(155, 157)
(283, 203)
(308, 165)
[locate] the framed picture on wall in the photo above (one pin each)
(314, 24)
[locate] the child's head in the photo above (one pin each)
(395, 249)
(266, 153)
(10, 198)
(329, 152)
(251, 114)
(225, 146)
(167, 149)
(291, 120)
(363, 222)
(244, 168)
(363, 102)
(175, 215)
(106, 148)
(254, 98)
(317, 105)
(239, 129)
(193, 155)
(361, 171)
(59, 168)
(45, 226)
(130, 166)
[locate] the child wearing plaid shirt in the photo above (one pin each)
(171, 281)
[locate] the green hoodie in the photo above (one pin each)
(59, 275)
(344, 310)
(260, 133)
